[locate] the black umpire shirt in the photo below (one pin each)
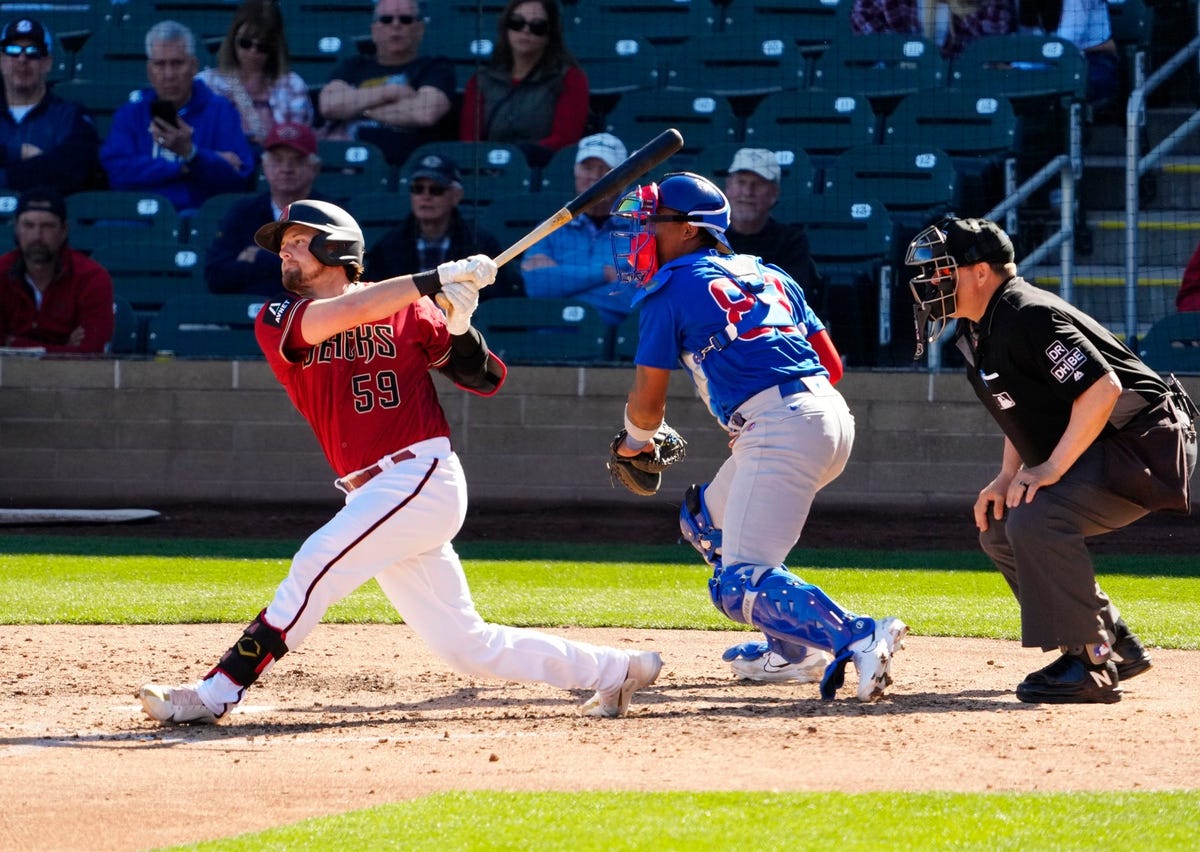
(1032, 354)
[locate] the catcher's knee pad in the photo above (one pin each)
(786, 608)
(260, 645)
(697, 526)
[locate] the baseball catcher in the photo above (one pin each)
(642, 473)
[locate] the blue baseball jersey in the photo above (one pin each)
(738, 326)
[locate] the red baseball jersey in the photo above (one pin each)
(366, 392)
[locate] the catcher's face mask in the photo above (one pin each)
(934, 287)
(635, 251)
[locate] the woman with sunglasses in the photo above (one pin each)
(252, 71)
(533, 92)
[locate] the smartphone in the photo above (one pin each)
(164, 110)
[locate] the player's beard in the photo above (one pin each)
(294, 282)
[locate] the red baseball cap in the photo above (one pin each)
(292, 134)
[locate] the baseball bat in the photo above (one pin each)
(630, 169)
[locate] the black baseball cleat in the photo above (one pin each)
(1128, 653)
(1072, 679)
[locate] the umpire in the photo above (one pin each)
(1093, 440)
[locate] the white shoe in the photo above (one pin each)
(872, 657)
(174, 704)
(644, 667)
(772, 668)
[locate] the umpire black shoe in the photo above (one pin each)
(1072, 679)
(1128, 653)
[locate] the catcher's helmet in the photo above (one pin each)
(940, 249)
(339, 243)
(698, 201)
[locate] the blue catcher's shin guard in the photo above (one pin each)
(697, 526)
(790, 612)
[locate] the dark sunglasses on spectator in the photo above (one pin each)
(31, 50)
(538, 28)
(259, 46)
(403, 20)
(426, 189)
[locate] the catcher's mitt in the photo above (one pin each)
(642, 474)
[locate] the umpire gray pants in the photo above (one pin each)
(1041, 550)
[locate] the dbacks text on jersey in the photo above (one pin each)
(362, 343)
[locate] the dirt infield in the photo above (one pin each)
(363, 715)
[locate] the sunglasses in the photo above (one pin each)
(426, 189)
(538, 28)
(262, 47)
(31, 50)
(402, 20)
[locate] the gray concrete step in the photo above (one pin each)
(1173, 185)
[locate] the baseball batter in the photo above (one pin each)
(355, 360)
(765, 366)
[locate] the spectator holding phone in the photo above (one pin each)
(44, 139)
(177, 139)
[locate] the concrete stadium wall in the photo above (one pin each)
(106, 433)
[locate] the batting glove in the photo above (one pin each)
(478, 270)
(463, 299)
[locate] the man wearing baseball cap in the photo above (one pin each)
(234, 262)
(435, 230)
(52, 297)
(576, 261)
(753, 186)
(1093, 440)
(44, 139)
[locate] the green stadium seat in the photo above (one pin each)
(350, 167)
(111, 216)
(206, 326)
(1172, 345)
(543, 331)
(489, 169)
(126, 339)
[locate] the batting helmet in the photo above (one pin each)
(698, 201)
(339, 243)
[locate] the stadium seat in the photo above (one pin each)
(317, 42)
(105, 217)
(206, 326)
(541, 331)
(850, 238)
(377, 212)
(743, 70)
(1132, 24)
(349, 167)
(117, 54)
(509, 218)
(812, 25)
(126, 339)
(101, 97)
(883, 67)
(795, 166)
(489, 169)
(826, 123)
(202, 227)
(1172, 345)
(8, 206)
(465, 38)
(148, 274)
(703, 119)
(617, 64)
(658, 21)
(976, 128)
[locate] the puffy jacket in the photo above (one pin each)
(66, 136)
(133, 160)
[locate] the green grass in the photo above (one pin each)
(123, 581)
(728, 822)
(95, 581)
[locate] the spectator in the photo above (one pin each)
(435, 231)
(201, 153)
(52, 296)
(235, 263)
(395, 100)
(576, 261)
(252, 72)
(1188, 297)
(44, 140)
(532, 93)
(1086, 24)
(752, 187)
(953, 28)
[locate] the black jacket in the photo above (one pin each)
(64, 132)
